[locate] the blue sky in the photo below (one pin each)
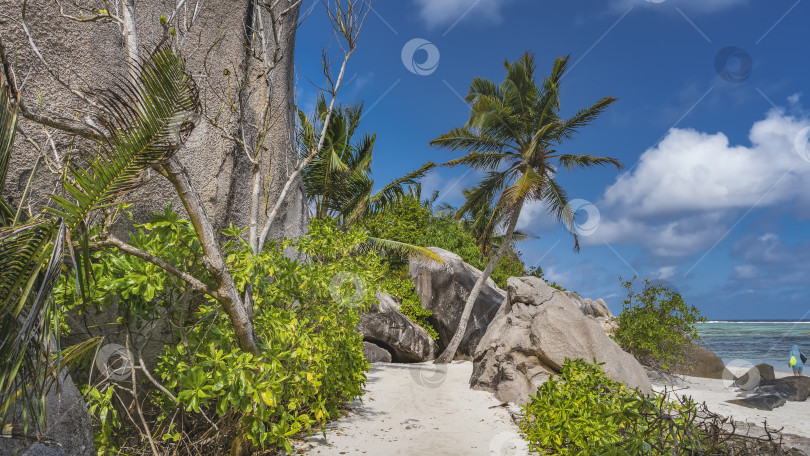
(712, 127)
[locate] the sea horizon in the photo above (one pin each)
(750, 342)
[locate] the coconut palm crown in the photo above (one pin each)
(515, 133)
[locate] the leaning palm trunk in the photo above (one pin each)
(450, 352)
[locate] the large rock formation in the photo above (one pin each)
(534, 331)
(770, 394)
(700, 362)
(85, 54)
(387, 328)
(443, 289)
(68, 430)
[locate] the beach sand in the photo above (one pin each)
(412, 409)
(793, 417)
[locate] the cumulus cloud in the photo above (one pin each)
(447, 12)
(701, 6)
(685, 193)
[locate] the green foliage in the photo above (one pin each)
(583, 412)
(100, 406)
(656, 325)
(141, 120)
(411, 222)
(398, 284)
(305, 315)
(338, 181)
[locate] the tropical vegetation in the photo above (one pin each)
(656, 325)
(515, 133)
(582, 411)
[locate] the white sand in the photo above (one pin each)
(413, 409)
(793, 416)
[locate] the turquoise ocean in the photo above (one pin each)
(755, 341)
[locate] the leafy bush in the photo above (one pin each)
(656, 325)
(410, 222)
(584, 412)
(305, 315)
(399, 285)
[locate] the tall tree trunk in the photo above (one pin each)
(450, 352)
(214, 262)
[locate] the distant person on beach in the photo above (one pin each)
(796, 360)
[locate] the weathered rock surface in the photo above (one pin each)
(589, 307)
(755, 376)
(700, 362)
(375, 354)
(39, 449)
(68, 426)
(87, 53)
(534, 331)
(386, 327)
(774, 393)
(762, 402)
(443, 289)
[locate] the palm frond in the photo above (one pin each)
(144, 120)
(571, 162)
(413, 251)
(8, 127)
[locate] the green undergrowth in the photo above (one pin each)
(305, 313)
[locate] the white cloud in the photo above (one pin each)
(534, 217)
(447, 12)
(684, 194)
(701, 6)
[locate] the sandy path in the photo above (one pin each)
(414, 409)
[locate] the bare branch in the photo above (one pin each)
(49, 119)
(347, 24)
(131, 37)
(50, 70)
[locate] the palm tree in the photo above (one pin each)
(338, 181)
(481, 221)
(514, 132)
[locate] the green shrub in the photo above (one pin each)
(410, 222)
(583, 412)
(305, 315)
(399, 285)
(656, 325)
